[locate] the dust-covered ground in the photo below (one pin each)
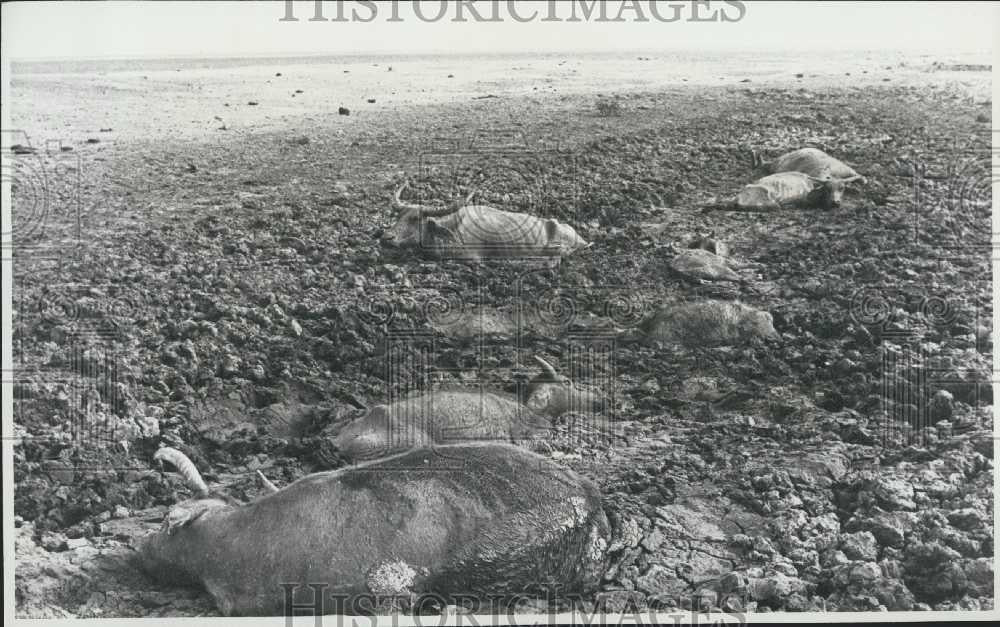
(225, 293)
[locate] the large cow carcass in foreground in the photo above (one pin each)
(464, 231)
(463, 523)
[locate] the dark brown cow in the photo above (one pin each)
(479, 521)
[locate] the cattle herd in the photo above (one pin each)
(447, 494)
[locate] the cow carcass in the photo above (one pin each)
(697, 263)
(811, 161)
(709, 323)
(439, 417)
(464, 523)
(791, 190)
(464, 231)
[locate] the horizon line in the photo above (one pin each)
(415, 53)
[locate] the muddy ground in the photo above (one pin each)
(229, 297)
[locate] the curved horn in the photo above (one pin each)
(270, 487)
(400, 204)
(546, 367)
(184, 466)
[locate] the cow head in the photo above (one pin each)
(828, 192)
(564, 237)
(415, 221)
(167, 554)
(758, 324)
(758, 166)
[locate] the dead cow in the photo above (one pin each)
(553, 394)
(709, 323)
(468, 231)
(700, 264)
(811, 161)
(439, 417)
(791, 190)
(483, 520)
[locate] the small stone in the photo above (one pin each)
(653, 540)
(77, 543)
(52, 541)
(967, 519)
(942, 405)
(895, 493)
(657, 580)
(859, 546)
(890, 528)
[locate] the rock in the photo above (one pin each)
(659, 580)
(52, 541)
(890, 528)
(942, 405)
(149, 427)
(894, 493)
(77, 543)
(344, 111)
(60, 471)
(774, 588)
(253, 103)
(860, 546)
(980, 576)
(893, 594)
(653, 541)
(967, 519)
(627, 534)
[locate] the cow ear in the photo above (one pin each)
(185, 514)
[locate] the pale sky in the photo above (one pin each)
(127, 29)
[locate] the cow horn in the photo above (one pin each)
(547, 368)
(184, 466)
(270, 487)
(402, 205)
